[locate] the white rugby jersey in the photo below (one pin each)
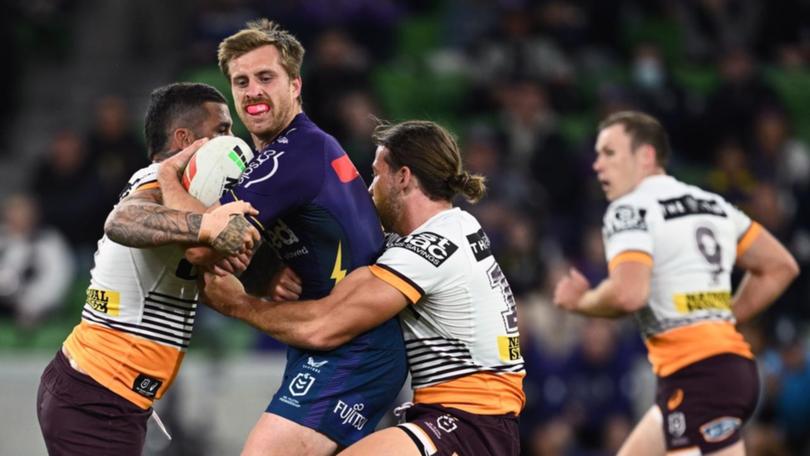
(461, 329)
(139, 314)
(691, 238)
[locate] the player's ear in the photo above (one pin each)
(182, 138)
(296, 84)
(404, 177)
(648, 155)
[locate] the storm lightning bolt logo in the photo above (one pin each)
(337, 272)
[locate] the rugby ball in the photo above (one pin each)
(215, 167)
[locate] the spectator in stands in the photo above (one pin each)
(357, 112)
(597, 374)
(114, 147)
(514, 51)
(786, 369)
(710, 26)
(68, 184)
(214, 20)
(36, 266)
(731, 175)
(657, 92)
(779, 157)
(732, 107)
(338, 67)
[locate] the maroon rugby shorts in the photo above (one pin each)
(77, 415)
(705, 404)
(441, 431)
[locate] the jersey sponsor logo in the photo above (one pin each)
(281, 235)
(509, 348)
(300, 385)
(689, 205)
(676, 424)
(480, 245)
(344, 168)
(720, 429)
(625, 218)
(709, 300)
(105, 301)
(268, 155)
(432, 247)
(314, 366)
(311, 362)
(146, 386)
(351, 415)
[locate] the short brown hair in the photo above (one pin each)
(258, 33)
(432, 155)
(642, 129)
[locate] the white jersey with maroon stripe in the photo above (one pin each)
(462, 319)
(150, 293)
(139, 314)
(691, 239)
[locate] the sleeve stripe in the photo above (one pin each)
(411, 290)
(630, 255)
(748, 238)
(250, 218)
(146, 186)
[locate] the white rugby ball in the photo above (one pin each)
(215, 167)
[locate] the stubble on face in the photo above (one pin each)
(389, 207)
(266, 99)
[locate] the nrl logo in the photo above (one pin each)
(447, 423)
(301, 384)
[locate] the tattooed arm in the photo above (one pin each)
(140, 220)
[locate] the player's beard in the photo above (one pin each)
(389, 207)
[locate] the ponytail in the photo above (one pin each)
(471, 186)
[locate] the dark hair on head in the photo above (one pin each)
(178, 105)
(432, 155)
(642, 129)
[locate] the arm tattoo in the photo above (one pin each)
(140, 223)
(231, 239)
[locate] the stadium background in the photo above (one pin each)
(521, 83)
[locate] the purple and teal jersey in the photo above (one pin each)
(315, 210)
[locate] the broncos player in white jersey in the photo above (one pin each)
(96, 395)
(670, 249)
(456, 308)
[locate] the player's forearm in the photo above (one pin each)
(174, 195)
(294, 323)
(606, 300)
(757, 291)
(145, 224)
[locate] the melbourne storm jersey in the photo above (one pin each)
(461, 328)
(691, 238)
(315, 210)
(137, 320)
